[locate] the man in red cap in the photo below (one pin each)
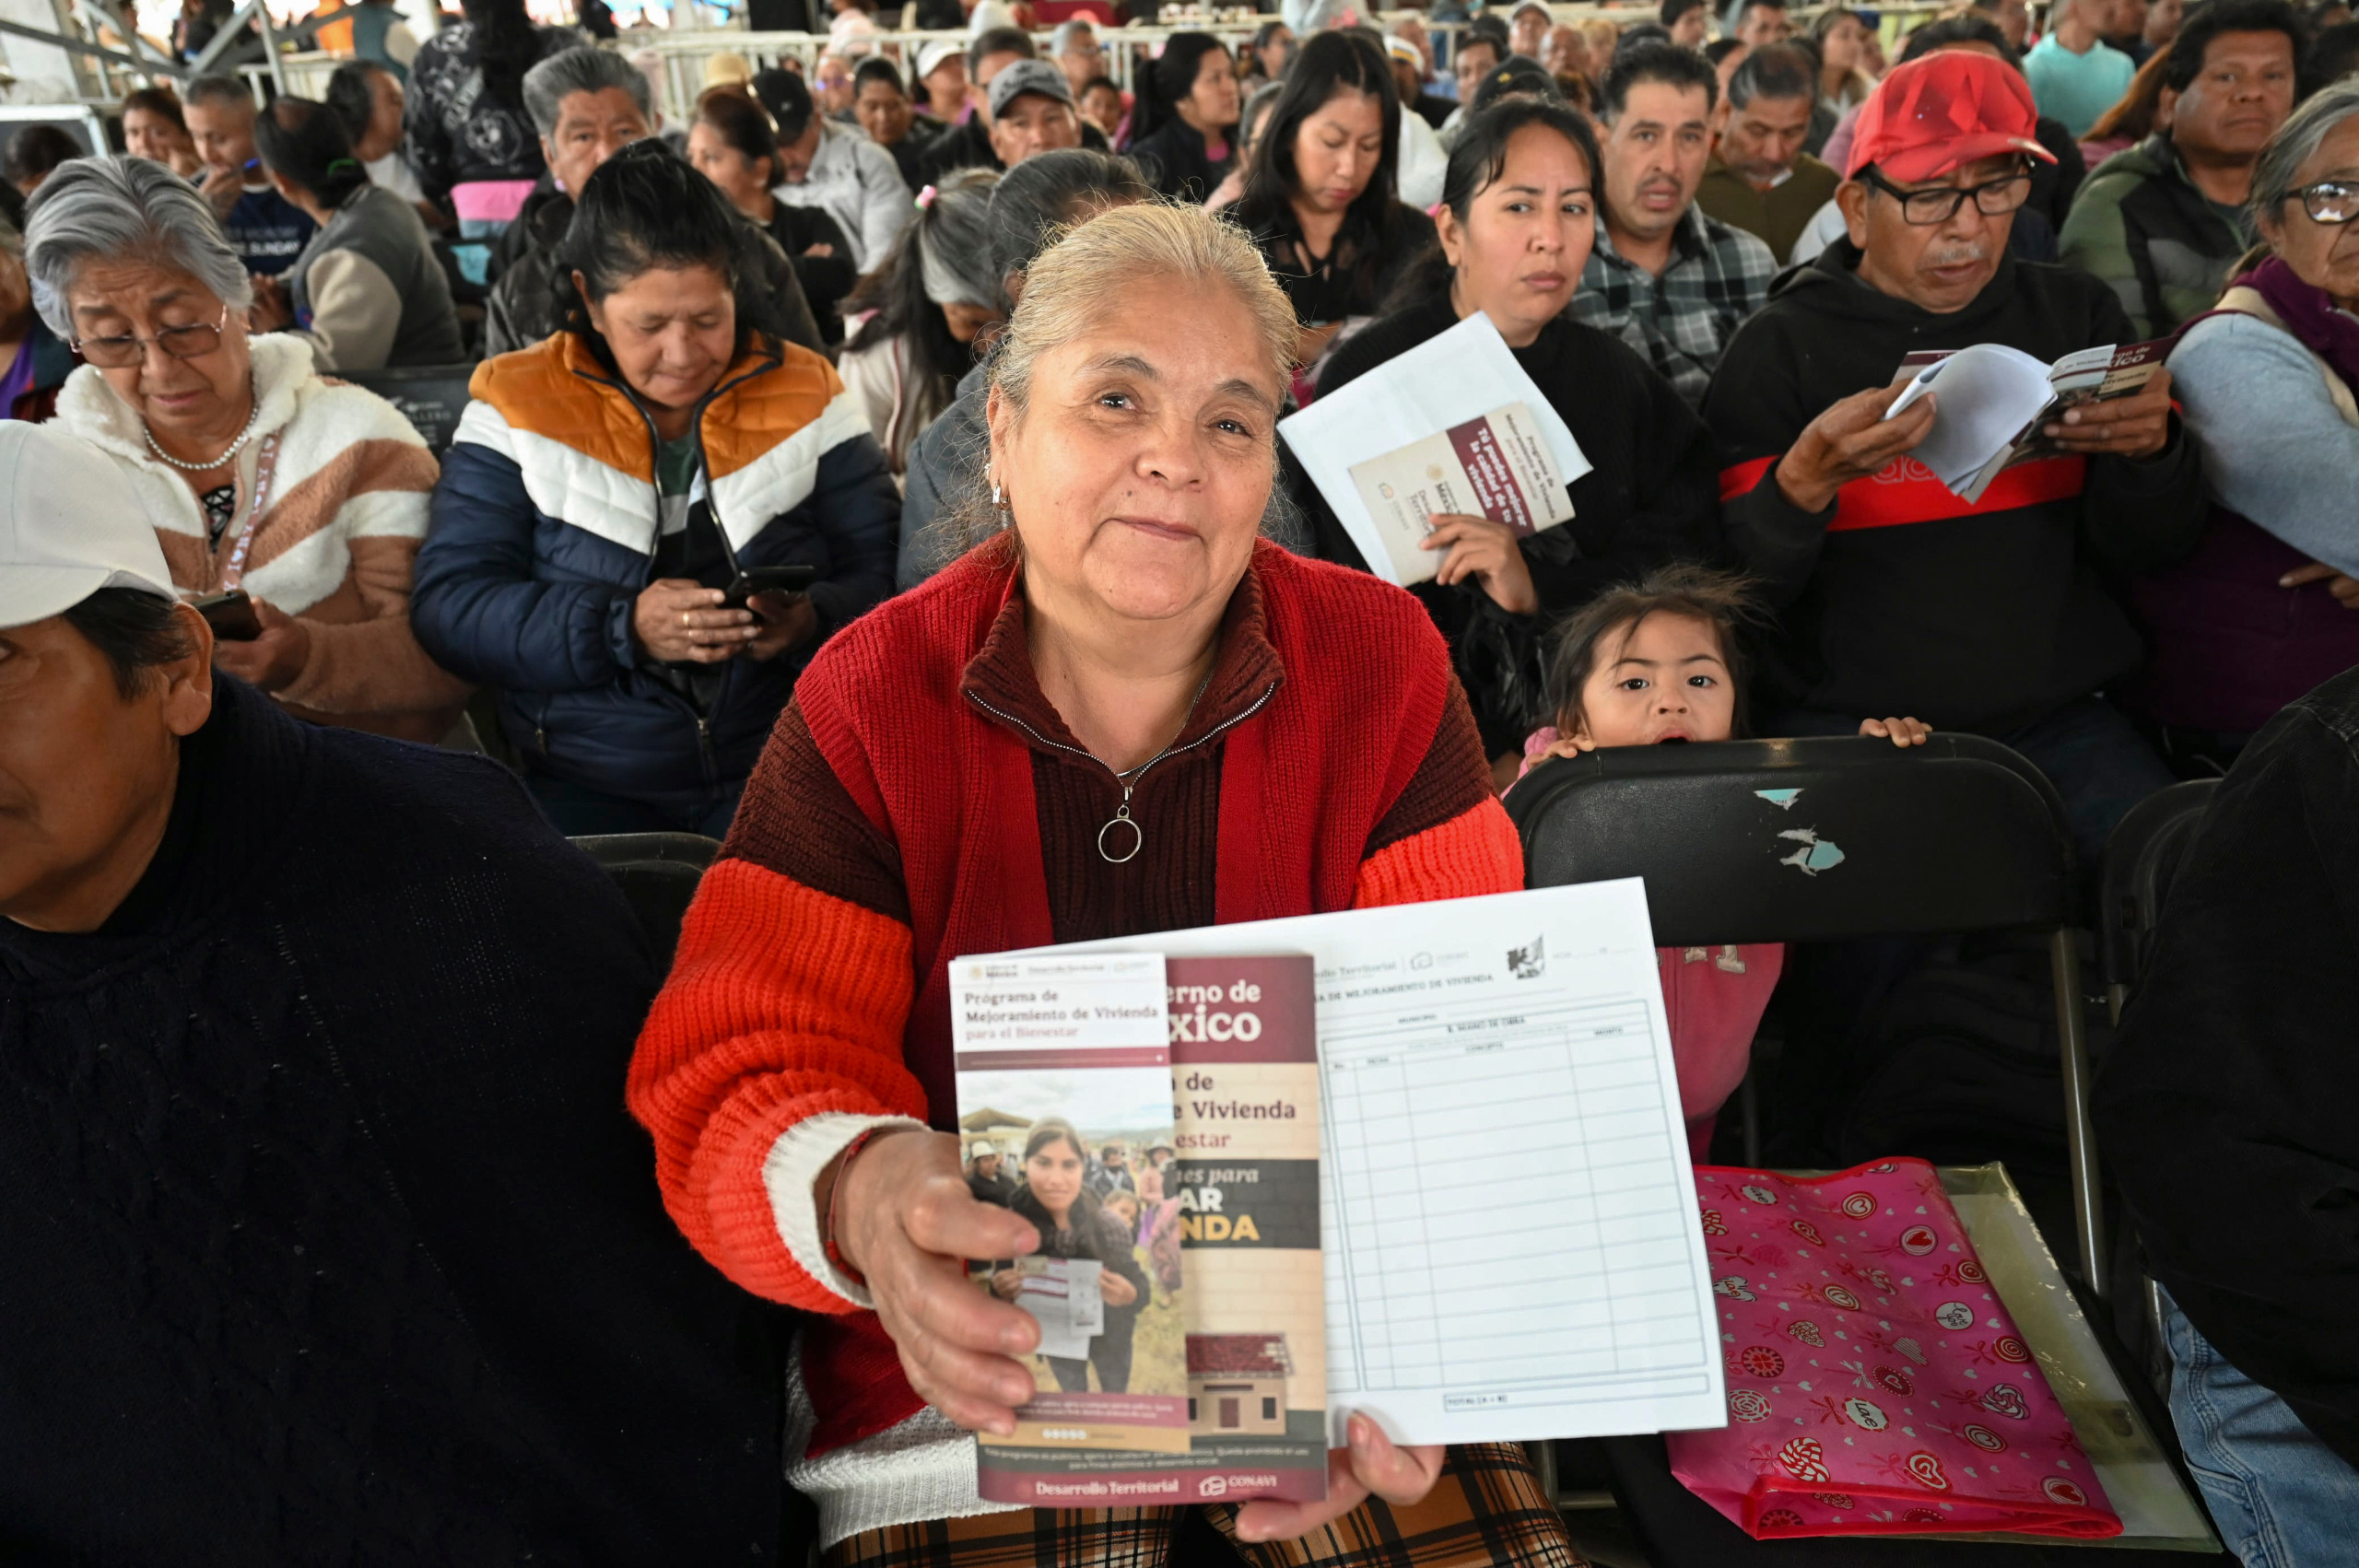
(1892, 595)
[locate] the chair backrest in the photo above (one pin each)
(1806, 840)
(432, 397)
(2140, 859)
(658, 873)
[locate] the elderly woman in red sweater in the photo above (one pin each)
(1121, 712)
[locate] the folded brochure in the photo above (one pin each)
(1160, 1122)
(1994, 403)
(1454, 425)
(1495, 466)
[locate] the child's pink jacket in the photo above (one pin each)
(1715, 998)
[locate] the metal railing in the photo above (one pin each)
(683, 53)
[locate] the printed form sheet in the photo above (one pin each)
(1511, 1246)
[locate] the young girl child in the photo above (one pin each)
(1656, 662)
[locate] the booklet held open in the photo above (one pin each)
(1993, 402)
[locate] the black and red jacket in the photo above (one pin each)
(1900, 598)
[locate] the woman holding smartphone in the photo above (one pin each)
(619, 512)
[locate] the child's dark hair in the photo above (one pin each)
(1722, 601)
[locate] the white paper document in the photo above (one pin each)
(1062, 1295)
(1510, 1220)
(1463, 390)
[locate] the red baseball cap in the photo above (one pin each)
(1942, 110)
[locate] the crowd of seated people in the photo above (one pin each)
(876, 468)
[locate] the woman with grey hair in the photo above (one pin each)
(915, 324)
(305, 496)
(2268, 606)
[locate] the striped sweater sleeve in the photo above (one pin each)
(1446, 836)
(777, 1038)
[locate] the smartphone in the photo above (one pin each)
(751, 580)
(231, 616)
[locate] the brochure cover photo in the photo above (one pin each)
(1175, 1188)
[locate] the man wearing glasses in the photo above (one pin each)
(1890, 590)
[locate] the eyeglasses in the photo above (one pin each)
(1923, 209)
(2330, 201)
(192, 342)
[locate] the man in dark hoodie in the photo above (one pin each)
(1892, 595)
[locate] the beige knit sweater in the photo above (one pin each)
(333, 546)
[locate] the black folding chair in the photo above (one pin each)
(2140, 859)
(432, 397)
(1830, 841)
(658, 873)
(1826, 840)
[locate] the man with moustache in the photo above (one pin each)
(1664, 278)
(1892, 594)
(2164, 222)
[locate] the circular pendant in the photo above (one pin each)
(1136, 840)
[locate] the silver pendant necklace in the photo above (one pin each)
(1130, 781)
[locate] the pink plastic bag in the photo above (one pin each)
(1877, 1385)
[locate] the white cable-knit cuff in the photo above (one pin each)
(790, 1176)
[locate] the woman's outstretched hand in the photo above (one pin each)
(903, 1219)
(1490, 553)
(1373, 1464)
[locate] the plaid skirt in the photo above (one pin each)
(1487, 1508)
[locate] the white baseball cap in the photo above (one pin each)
(69, 526)
(982, 1147)
(934, 53)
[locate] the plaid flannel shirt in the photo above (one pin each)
(1680, 321)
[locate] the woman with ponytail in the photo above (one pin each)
(1183, 129)
(367, 291)
(917, 322)
(470, 140)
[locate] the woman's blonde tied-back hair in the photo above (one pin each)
(1091, 266)
(1109, 257)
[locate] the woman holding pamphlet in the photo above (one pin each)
(1165, 721)
(1518, 217)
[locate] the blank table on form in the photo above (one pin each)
(1505, 1227)
(1508, 1219)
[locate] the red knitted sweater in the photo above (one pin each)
(914, 804)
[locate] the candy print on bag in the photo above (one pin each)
(1804, 1458)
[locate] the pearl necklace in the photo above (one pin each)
(234, 448)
